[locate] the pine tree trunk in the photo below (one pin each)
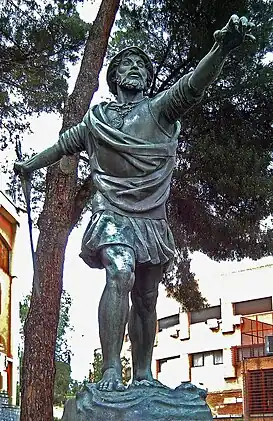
(64, 202)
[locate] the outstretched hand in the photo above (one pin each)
(236, 31)
(20, 169)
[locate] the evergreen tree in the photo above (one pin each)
(37, 41)
(95, 375)
(182, 285)
(62, 382)
(62, 348)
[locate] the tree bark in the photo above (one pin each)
(64, 202)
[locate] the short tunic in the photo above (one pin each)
(150, 239)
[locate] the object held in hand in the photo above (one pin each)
(20, 169)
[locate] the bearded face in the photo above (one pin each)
(132, 73)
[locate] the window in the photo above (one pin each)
(269, 345)
(243, 352)
(198, 359)
(204, 315)
(260, 305)
(259, 391)
(4, 256)
(167, 322)
(163, 361)
(218, 357)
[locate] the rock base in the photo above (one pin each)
(139, 403)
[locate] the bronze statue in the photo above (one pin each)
(131, 144)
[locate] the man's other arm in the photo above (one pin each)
(70, 142)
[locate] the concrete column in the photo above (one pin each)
(4, 375)
(184, 326)
(184, 367)
(227, 317)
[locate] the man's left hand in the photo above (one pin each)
(236, 31)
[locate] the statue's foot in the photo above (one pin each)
(146, 379)
(111, 381)
(148, 383)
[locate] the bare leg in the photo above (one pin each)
(142, 320)
(119, 262)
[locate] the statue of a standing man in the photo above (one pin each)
(131, 144)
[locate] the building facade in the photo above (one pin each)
(226, 348)
(9, 302)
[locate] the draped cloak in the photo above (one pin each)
(131, 170)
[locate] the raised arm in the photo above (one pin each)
(231, 36)
(190, 88)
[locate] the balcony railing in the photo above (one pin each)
(240, 353)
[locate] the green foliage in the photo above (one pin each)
(37, 40)
(62, 382)
(23, 312)
(186, 292)
(62, 350)
(95, 375)
(221, 198)
(75, 387)
(126, 369)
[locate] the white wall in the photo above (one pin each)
(247, 284)
(210, 376)
(171, 373)
(202, 339)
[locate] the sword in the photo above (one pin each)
(26, 187)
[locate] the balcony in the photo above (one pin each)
(256, 330)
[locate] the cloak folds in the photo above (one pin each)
(132, 173)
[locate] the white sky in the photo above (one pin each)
(85, 285)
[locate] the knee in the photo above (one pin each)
(149, 300)
(119, 265)
(122, 280)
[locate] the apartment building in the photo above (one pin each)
(226, 348)
(9, 300)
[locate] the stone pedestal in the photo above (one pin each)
(139, 403)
